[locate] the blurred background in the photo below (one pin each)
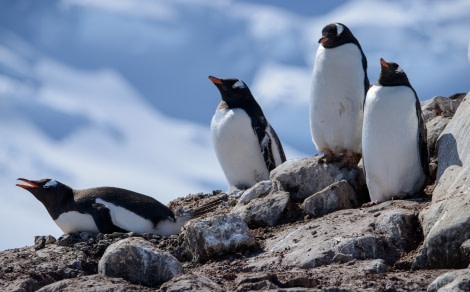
(115, 92)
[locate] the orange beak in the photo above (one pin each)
(215, 80)
(29, 184)
(323, 40)
(383, 63)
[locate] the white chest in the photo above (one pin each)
(73, 221)
(390, 142)
(237, 147)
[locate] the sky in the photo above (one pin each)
(115, 93)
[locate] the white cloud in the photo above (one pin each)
(275, 84)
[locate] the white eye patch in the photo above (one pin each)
(339, 29)
(51, 183)
(399, 70)
(239, 84)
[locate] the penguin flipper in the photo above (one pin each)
(103, 221)
(422, 140)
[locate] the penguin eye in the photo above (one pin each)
(51, 183)
(239, 84)
(339, 29)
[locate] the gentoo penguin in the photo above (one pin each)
(246, 145)
(339, 87)
(108, 209)
(394, 146)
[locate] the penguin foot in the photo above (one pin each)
(349, 160)
(328, 156)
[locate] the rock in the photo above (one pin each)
(93, 283)
(441, 106)
(465, 250)
(437, 113)
(339, 195)
(358, 248)
(435, 127)
(190, 282)
(264, 211)
(259, 190)
(215, 236)
(458, 280)
(385, 231)
(375, 266)
(305, 177)
(40, 242)
(446, 222)
(256, 282)
(138, 261)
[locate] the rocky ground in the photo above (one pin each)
(307, 228)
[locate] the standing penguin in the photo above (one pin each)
(339, 87)
(246, 145)
(394, 147)
(108, 209)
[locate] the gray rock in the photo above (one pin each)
(138, 261)
(264, 211)
(465, 249)
(375, 266)
(364, 247)
(259, 190)
(214, 236)
(435, 126)
(337, 196)
(40, 242)
(446, 222)
(458, 280)
(190, 282)
(93, 283)
(441, 106)
(384, 231)
(305, 177)
(401, 231)
(256, 282)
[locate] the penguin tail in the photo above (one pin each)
(204, 209)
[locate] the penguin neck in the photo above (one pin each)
(59, 204)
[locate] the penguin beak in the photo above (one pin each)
(29, 184)
(383, 63)
(215, 80)
(323, 40)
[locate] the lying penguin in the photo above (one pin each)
(109, 209)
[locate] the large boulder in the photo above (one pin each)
(307, 176)
(337, 196)
(446, 222)
(138, 261)
(263, 204)
(385, 231)
(454, 281)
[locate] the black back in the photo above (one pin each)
(236, 94)
(145, 206)
(392, 75)
(337, 34)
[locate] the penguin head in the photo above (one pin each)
(48, 191)
(391, 74)
(335, 35)
(235, 93)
